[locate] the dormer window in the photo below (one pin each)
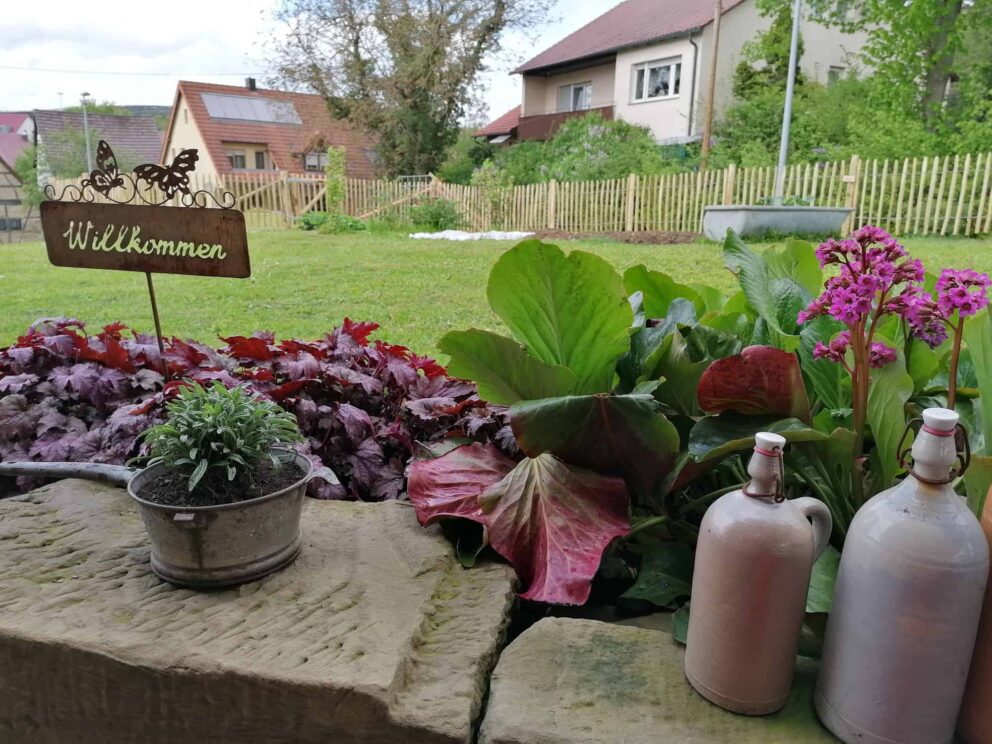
(314, 161)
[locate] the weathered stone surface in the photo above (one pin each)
(374, 634)
(567, 681)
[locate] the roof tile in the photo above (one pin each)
(136, 135)
(503, 125)
(631, 23)
(286, 142)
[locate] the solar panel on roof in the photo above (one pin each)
(247, 108)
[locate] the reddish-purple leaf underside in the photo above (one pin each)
(553, 521)
(450, 485)
(760, 380)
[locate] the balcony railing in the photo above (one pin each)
(543, 126)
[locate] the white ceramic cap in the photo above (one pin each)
(940, 419)
(767, 441)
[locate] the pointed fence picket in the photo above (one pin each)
(932, 195)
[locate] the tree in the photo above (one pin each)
(766, 59)
(912, 46)
(468, 153)
(104, 107)
(26, 168)
(404, 70)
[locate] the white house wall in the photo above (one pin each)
(667, 118)
(823, 48)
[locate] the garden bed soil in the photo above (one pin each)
(170, 488)
(635, 238)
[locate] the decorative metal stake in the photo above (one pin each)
(158, 327)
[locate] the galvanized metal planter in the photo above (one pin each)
(214, 546)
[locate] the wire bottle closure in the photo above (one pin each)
(778, 496)
(962, 447)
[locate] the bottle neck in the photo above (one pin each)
(764, 472)
(934, 452)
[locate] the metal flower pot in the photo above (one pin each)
(213, 546)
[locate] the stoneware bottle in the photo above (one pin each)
(975, 721)
(749, 586)
(906, 605)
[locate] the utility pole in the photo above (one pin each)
(790, 89)
(86, 132)
(704, 155)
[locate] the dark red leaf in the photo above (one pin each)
(450, 485)
(358, 331)
(427, 365)
(553, 521)
(253, 348)
(759, 380)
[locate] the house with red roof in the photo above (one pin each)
(16, 133)
(648, 62)
(249, 129)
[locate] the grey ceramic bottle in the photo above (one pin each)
(753, 563)
(906, 606)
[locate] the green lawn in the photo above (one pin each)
(303, 284)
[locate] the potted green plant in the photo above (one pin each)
(222, 493)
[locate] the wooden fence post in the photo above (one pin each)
(729, 183)
(631, 201)
(552, 220)
(852, 180)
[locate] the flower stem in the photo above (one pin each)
(859, 395)
(952, 383)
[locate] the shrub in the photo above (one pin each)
(342, 223)
(436, 214)
(361, 405)
(334, 193)
(312, 220)
(497, 189)
(213, 434)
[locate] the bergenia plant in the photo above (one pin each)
(876, 277)
(960, 294)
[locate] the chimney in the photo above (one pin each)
(250, 83)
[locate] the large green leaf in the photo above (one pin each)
(822, 580)
(796, 261)
(648, 345)
(891, 387)
(715, 437)
(978, 337)
(665, 575)
(977, 481)
(567, 310)
(830, 381)
(624, 435)
(776, 297)
(659, 289)
(679, 375)
(826, 465)
(502, 368)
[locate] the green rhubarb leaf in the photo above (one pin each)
(502, 368)
(569, 311)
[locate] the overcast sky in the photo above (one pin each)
(101, 46)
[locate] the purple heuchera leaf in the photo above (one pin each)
(65, 394)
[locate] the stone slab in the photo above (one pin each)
(566, 681)
(374, 634)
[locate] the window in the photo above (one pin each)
(259, 160)
(10, 224)
(575, 97)
(835, 74)
(653, 80)
(236, 158)
(315, 161)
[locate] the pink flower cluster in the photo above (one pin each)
(878, 354)
(963, 291)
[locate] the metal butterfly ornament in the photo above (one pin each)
(169, 178)
(107, 175)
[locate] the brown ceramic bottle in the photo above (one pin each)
(752, 570)
(975, 722)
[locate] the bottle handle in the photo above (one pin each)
(818, 513)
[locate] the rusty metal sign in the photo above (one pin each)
(162, 240)
(135, 231)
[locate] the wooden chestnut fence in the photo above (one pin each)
(940, 195)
